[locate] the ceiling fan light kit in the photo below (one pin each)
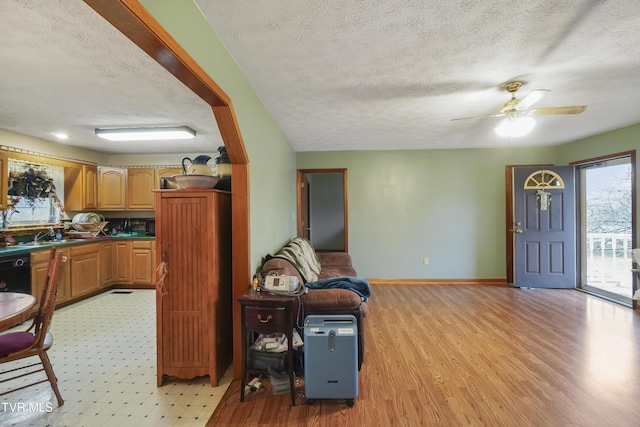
(517, 122)
(146, 133)
(515, 127)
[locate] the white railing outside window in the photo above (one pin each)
(609, 261)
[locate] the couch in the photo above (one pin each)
(298, 258)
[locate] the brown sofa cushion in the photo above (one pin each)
(329, 300)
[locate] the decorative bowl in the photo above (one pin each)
(192, 181)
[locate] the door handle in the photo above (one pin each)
(517, 231)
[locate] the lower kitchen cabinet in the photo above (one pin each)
(107, 263)
(142, 262)
(94, 266)
(39, 265)
(122, 257)
(85, 268)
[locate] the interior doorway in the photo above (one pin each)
(322, 208)
(607, 237)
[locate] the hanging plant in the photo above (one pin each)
(31, 185)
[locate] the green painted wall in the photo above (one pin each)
(446, 205)
(272, 160)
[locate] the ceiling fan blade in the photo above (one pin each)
(531, 98)
(572, 109)
(477, 117)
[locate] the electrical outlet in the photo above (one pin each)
(425, 261)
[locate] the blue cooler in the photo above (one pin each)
(331, 358)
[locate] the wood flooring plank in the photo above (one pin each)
(470, 355)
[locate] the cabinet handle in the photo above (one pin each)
(265, 320)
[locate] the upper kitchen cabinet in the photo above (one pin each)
(81, 187)
(140, 185)
(112, 188)
(4, 172)
(165, 173)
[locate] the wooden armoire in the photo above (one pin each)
(193, 296)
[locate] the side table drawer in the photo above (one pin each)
(265, 316)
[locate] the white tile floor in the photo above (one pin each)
(104, 355)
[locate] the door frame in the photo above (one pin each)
(301, 209)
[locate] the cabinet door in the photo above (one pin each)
(140, 184)
(112, 183)
(90, 186)
(39, 265)
(161, 173)
(123, 262)
(81, 187)
(107, 263)
(38, 275)
(85, 269)
(64, 289)
(142, 262)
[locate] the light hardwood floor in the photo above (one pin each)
(477, 355)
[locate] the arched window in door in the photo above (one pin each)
(543, 178)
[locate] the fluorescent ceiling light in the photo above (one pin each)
(515, 127)
(146, 134)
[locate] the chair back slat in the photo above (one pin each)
(42, 321)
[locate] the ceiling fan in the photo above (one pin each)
(515, 107)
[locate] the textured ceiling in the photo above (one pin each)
(64, 68)
(335, 74)
(390, 74)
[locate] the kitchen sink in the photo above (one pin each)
(35, 245)
(40, 244)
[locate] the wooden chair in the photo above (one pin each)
(36, 340)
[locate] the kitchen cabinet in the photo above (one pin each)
(90, 186)
(81, 187)
(39, 266)
(112, 188)
(107, 263)
(4, 172)
(142, 262)
(140, 185)
(95, 266)
(193, 305)
(84, 264)
(122, 256)
(161, 173)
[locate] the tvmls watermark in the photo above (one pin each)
(27, 407)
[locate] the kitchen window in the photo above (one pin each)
(35, 190)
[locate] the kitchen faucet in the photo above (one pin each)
(49, 231)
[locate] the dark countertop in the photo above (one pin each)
(17, 249)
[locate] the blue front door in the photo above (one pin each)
(544, 227)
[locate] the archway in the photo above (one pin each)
(133, 20)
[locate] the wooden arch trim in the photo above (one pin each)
(136, 23)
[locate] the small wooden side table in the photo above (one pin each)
(266, 313)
